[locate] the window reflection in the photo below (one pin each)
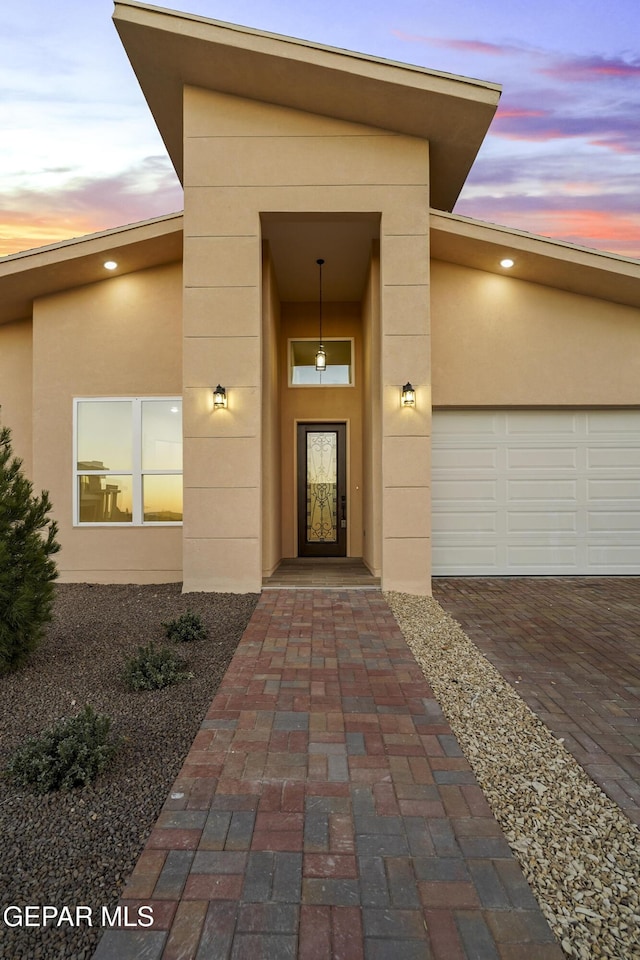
(129, 460)
(104, 499)
(162, 498)
(105, 435)
(161, 435)
(339, 371)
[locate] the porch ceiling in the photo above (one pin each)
(344, 244)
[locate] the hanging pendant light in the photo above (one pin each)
(321, 355)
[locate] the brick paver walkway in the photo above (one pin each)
(325, 811)
(571, 647)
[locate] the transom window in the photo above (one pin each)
(128, 461)
(302, 363)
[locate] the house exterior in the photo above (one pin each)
(521, 453)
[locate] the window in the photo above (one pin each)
(128, 461)
(302, 364)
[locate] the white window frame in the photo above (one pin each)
(136, 473)
(320, 386)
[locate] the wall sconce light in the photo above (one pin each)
(219, 398)
(408, 396)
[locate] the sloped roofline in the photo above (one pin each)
(26, 276)
(455, 239)
(169, 50)
(543, 260)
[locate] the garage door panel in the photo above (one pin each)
(541, 458)
(612, 422)
(519, 423)
(452, 458)
(542, 556)
(467, 491)
(614, 521)
(542, 521)
(536, 492)
(613, 458)
(475, 559)
(544, 490)
(613, 489)
(624, 557)
(461, 522)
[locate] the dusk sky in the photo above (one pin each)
(80, 151)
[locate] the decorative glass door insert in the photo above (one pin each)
(322, 487)
(322, 508)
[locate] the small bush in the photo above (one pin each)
(154, 668)
(186, 628)
(71, 754)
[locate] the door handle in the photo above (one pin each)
(343, 503)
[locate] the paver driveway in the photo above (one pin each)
(571, 647)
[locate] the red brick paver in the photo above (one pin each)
(571, 647)
(325, 811)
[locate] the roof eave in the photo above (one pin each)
(169, 50)
(541, 260)
(80, 261)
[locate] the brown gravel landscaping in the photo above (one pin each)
(77, 848)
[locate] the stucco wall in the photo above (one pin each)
(243, 158)
(15, 388)
(121, 337)
(271, 459)
(499, 341)
(371, 419)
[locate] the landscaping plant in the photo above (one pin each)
(27, 572)
(154, 668)
(71, 754)
(186, 628)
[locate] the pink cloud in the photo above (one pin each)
(35, 217)
(615, 130)
(591, 68)
(509, 113)
(468, 46)
(611, 230)
(615, 144)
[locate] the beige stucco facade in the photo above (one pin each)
(16, 378)
(247, 165)
(118, 338)
(499, 341)
(274, 179)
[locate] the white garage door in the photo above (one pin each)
(536, 492)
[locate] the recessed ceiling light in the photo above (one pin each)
(507, 262)
(110, 265)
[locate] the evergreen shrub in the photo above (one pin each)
(71, 754)
(27, 572)
(185, 628)
(153, 668)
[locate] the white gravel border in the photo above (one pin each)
(578, 851)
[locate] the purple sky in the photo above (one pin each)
(80, 151)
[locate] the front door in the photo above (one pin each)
(322, 490)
